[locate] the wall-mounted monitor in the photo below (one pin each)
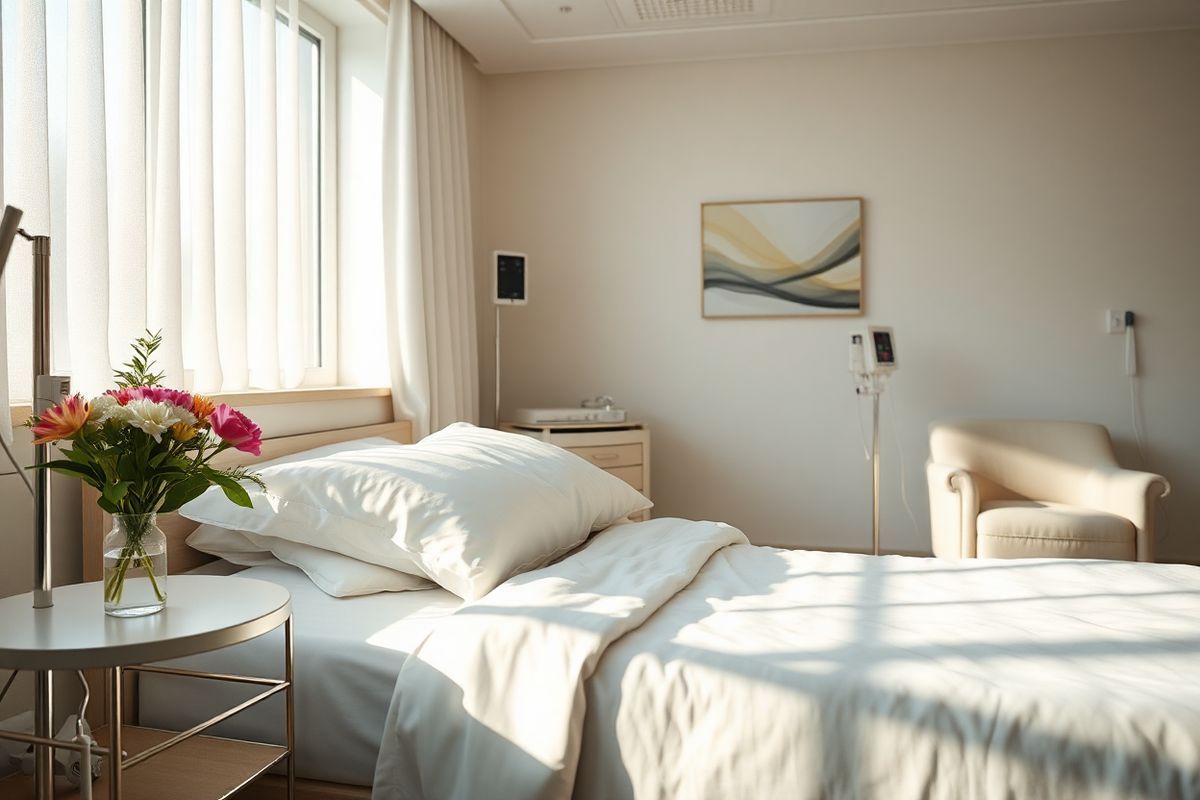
(510, 278)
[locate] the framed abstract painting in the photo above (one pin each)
(782, 258)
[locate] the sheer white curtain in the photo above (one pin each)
(26, 171)
(138, 171)
(427, 225)
(224, 274)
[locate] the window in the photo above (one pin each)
(317, 54)
(83, 112)
(316, 181)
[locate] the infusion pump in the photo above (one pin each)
(873, 352)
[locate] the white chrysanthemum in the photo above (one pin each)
(105, 408)
(156, 418)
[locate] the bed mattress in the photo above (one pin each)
(348, 652)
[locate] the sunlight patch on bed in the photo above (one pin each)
(406, 633)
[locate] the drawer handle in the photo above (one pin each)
(605, 457)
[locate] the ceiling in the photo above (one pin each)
(530, 35)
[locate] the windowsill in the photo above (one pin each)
(323, 394)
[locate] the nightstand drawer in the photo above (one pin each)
(607, 457)
(631, 475)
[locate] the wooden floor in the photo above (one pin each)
(274, 787)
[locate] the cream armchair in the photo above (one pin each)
(1032, 489)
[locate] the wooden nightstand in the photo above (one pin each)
(622, 449)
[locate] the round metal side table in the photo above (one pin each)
(203, 613)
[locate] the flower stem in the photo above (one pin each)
(133, 554)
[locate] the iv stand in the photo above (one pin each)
(496, 419)
(874, 388)
(48, 390)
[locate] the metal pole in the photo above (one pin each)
(875, 475)
(43, 726)
(115, 721)
(496, 420)
(43, 596)
(290, 677)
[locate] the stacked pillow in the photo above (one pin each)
(333, 573)
(466, 507)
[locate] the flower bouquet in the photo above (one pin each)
(148, 450)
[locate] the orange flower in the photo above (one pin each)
(201, 407)
(61, 422)
(183, 432)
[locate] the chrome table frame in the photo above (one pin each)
(118, 762)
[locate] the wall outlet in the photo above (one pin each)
(1114, 321)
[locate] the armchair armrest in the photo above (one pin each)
(953, 507)
(1130, 494)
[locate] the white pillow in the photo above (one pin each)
(324, 498)
(334, 574)
(483, 505)
(471, 506)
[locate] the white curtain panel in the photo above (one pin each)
(164, 311)
(26, 172)
(229, 183)
(127, 130)
(427, 225)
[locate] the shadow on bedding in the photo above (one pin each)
(852, 697)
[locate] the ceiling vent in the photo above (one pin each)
(690, 13)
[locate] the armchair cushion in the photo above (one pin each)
(1034, 529)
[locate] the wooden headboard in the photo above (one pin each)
(180, 557)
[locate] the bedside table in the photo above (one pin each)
(203, 613)
(622, 449)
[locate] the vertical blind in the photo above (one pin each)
(161, 151)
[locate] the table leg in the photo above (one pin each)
(115, 721)
(289, 676)
(43, 756)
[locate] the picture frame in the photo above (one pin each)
(766, 259)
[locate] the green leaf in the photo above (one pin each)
(236, 493)
(138, 370)
(157, 459)
(107, 506)
(115, 492)
(77, 455)
(127, 468)
(184, 492)
(65, 467)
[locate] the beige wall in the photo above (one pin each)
(1014, 191)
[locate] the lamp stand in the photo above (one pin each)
(48, 391)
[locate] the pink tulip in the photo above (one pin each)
(236, 429)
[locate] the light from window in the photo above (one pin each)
(309, 183)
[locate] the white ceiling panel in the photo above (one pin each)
(546, 19)
(532, 35)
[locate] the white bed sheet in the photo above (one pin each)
(668, 660)
(348, 652)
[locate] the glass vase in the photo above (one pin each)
(135, 566)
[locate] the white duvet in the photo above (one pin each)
(671, 659)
